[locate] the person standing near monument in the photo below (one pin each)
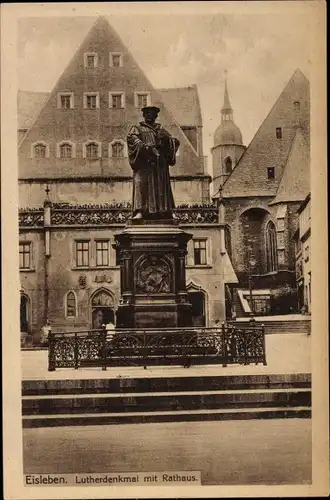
(151, 150)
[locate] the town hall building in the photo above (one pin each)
(75, 190)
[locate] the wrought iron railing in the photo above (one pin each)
(227, 344)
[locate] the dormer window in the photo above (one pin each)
(278, 133)
(39, 150)
(117, 149)
(65, 100)
(296, 106)
(91, 100)
(116, 100)
(90, 60)
(142, 99)
(66, 149)
(271, 173)
(91, 150)
(116, 59)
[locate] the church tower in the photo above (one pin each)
(227, 144)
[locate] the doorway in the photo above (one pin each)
(103, 310)
(197, 300)
(24, 313)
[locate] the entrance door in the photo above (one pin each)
(24, 313)
(103, 311)
(197, 300)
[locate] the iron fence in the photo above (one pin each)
(228, 344)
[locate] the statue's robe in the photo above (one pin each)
(152, 193)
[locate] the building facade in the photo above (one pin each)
(260, 199)
(302, 239)
(75, 189)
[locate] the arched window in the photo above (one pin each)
(271, 247)
(66, 150)
(92, 150)
(40, 150)
(228, 165)
(117, 149)
(71, 305)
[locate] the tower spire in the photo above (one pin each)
(226, 110)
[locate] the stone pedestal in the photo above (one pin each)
(153, 276)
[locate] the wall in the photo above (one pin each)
(32, 193)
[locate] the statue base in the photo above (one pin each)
(153, 279)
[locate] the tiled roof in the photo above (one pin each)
(183, 103)
(29, 105)
(249, 178)
(295, 182)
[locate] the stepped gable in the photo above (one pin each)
(249, 178)
(104, 124)
(295, 182)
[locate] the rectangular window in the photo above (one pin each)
(200, 252)
(117, 100)
(90, 60)
(82, 253)
(25, 256)
(278, 133)
(91, 100)
(142, 99)
(65, 100)
(116, 59)
(271, 173)
(102, 253)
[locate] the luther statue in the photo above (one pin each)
(151, 150)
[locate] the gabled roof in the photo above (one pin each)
(295, 182)
(101, 124)
(183, 102)
(29, 105)
(249, 177)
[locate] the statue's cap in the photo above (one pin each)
(150, 108)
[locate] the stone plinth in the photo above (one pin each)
(153, 276)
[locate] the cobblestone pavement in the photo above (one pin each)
(227, 453)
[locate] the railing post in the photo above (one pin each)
(264, 345)
(224, 346)
(144, 350)
(104, 347)
(51, 352)
(76, 352)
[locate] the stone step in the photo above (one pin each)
(181, 384)
(168, 416)
(273, 327)
(156, 402)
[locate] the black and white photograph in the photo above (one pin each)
(163, 255)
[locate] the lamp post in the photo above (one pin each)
(252, 263)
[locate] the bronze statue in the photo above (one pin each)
(151, 150)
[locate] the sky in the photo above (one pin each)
(259, 51)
